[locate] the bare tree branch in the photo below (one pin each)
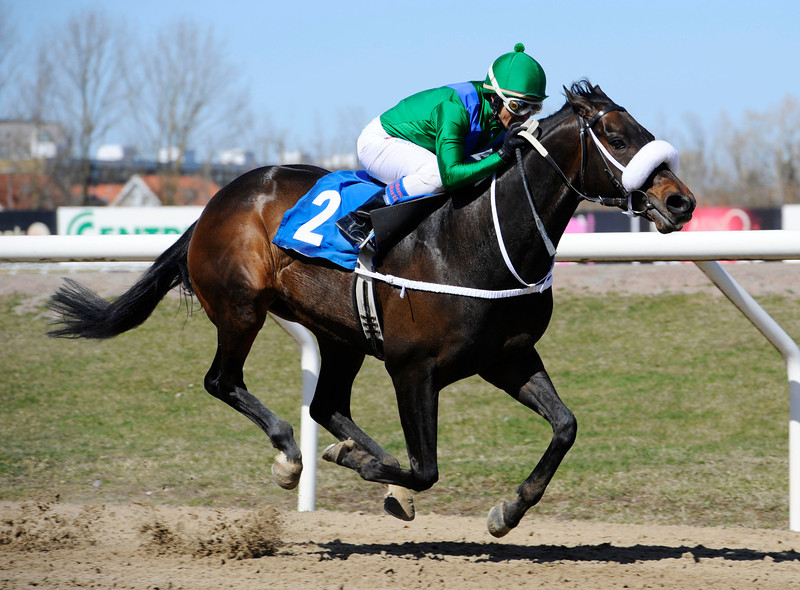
(187, 93)
(9, 53)
(84, 59)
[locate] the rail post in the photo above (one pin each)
(309, 430)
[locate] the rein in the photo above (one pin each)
(528, 288)
(538, 287)
(643, 163)
(528, 133)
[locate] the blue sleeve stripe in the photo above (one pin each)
(472, 102)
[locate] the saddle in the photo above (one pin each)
(392, 224)
(308, 229)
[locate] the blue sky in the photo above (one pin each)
(308, 61)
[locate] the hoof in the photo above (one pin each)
(286, 473)
(335, 452)
(496, 523)
(399, 503)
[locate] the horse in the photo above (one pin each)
(432, 337)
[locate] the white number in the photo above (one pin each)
(305, 233)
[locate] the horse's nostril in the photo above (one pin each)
(679, 203)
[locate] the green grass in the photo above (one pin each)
(682, 408)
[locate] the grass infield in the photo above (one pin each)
(682, 409)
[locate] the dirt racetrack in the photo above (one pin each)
(62, 546)
(54, 545)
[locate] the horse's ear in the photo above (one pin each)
(580, 104)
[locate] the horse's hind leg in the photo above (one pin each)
(236, 331)
(537, 392)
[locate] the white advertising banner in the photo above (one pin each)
(790, 217)
(100, 221)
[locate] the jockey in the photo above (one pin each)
(437, 140)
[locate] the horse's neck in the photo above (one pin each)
(553, 202)
(556, 202)
(522, 236)
(459, 243)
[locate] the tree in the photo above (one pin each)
(184, 92)
(753, 161)
(85, 58)
(763, 155)
(9, 61)
(48, 183)
(270, 140)
(36, 90)
(786, 149)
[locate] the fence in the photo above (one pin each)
(702, 248)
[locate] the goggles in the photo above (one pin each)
(519, 107)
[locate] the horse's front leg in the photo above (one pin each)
(358, 451)
(537, 392)
(418, 404)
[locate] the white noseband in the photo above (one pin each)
(647, 159)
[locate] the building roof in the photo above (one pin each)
(155, 189)
(37, 191)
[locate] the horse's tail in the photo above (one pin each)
(82, 313)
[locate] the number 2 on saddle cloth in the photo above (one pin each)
(309, 228)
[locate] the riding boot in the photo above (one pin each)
(356, 226)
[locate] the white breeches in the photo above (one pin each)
(388, 159)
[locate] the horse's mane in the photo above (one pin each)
(582, 87)
(585, 88)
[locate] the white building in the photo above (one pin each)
(167, 155)
(29, 140)
(237, 157)
(115, 152)
(348, 161)
(136, 193)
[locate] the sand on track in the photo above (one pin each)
(67, 546)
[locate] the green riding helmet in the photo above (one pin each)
(517, 75)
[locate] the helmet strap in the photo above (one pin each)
(496, 103)
(497, 90)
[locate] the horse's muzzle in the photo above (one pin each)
(668, 214)
(680, 205)
(672, 213)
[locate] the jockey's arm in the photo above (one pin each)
(452, 126)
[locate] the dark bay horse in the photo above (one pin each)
(227, 259)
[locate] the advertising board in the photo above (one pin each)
(98, 221)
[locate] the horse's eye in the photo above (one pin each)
(617, 144)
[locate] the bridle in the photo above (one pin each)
(643, 163)
(649, 157)
(625, 200)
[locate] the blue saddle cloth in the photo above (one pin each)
(309, 227)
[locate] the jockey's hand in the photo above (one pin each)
(511, 142)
